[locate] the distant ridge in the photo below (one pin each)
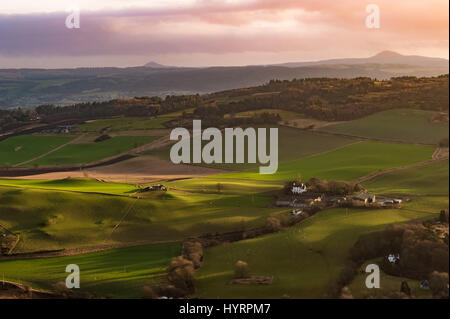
(384, 57)
(154, 65)
(32, 87)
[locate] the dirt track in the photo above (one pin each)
(362, 138)
(74, 141)
(438, 155)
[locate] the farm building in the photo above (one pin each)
(425, 285)
(298, 189)
(153, 188)
(393, 258)
(288, 203)
(60, 129)
(366, 198)
(297, 212)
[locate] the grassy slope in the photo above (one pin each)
(388, 284)
(91, 152)
(347, 163)
(214, 184)
(17, 149)
(304, 259)
(430, 179)
(411, 126)
(293, 144)
(54, 219)
(123, 124)
(117, 273)
(72, 184)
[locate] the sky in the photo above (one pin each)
(214, 32)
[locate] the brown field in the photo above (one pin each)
(140, 169)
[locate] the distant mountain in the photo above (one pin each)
(155, 65)
(384, 57)
(31, 87)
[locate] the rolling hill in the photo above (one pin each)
(31, 87)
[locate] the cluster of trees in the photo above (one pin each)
(423, 255)
(321, 186)
(340, 99)
(321, 98)
(180, 273)
(214, 116)
(138, 106)
(7, 242)
(12, 119)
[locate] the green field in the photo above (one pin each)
(347, 163)
(214, 184)
(63, 219)
(72, 184)
(304, 260)
(293, 144)
(116, 273)
(388, 284)
(178, 113)
(18, 149)
(123, 124)
(407, 125)
(430, 179)
(90, 152)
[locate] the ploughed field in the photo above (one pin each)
(123, 124)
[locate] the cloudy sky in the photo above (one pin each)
(214, 32)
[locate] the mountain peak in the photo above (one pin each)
(153, 64)
(387, 54)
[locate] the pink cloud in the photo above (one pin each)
(215, 27)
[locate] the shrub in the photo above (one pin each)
(193, 251)
(439, 284)
(404, 288)
(181, 274)
(346, 293)
(61, 289)
(443, 216)
(150, 292)
(171, 291)
(102, 138)
(241, 270)
(273, 224)
(444, 142)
